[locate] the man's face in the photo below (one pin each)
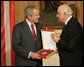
(60, 16)
(35, 16)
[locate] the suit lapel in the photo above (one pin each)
(37, 30)
(28, 31)
(66, 27)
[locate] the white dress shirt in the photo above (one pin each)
(68, 20)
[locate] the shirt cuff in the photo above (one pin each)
(29, 55)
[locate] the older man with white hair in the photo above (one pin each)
(70, 42)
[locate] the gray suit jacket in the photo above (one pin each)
(23, 42)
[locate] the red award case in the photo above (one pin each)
(44, 54)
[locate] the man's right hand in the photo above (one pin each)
(34, 55)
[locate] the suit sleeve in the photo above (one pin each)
(16, 43)
(72, 38)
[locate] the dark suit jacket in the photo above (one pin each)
(23, 42)
(71, 44)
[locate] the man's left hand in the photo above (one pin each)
(55, 37)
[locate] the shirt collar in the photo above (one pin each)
(68, 20)
(29, 23)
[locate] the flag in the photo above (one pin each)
(7, 23)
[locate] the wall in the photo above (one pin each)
(20, 5)
(19, 9)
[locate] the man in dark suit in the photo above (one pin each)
(26, 39)
(70, 43)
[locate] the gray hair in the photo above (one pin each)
(67, 9)
(28, 10)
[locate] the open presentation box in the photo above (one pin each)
(48, 54)
(49, 46)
